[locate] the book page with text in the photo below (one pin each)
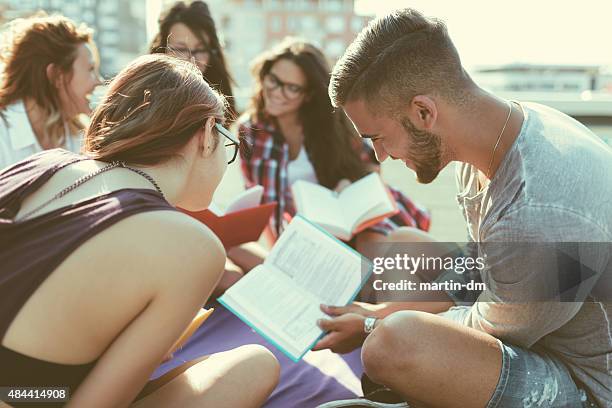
(277, 307)
(317, 263)
(281, 298)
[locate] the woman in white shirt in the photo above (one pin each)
(50, 69)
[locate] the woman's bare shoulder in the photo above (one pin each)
(157, 242)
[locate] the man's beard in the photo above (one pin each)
(424, 150)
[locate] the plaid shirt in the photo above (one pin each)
(267, 163)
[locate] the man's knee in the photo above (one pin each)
(390, 349)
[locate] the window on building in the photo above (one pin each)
(274, 4)
(332, 5)
(309, 23)
(108, 22)
(108, 7)
(306, 4)
(335, 24)
(334, 48)
(357, 24)
(88, 17)
(71, 10)
(293, 24)
(109, 38)
(276, 24)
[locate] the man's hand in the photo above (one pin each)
(345, 333)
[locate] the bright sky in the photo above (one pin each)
(534, 31)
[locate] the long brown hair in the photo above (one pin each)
(329, 137)
(197, 17)
(30, 45)
(151, 110)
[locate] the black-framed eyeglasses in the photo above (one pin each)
(289, 90)
(231, 147)
(186, 53)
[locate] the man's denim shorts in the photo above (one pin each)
(530, 379)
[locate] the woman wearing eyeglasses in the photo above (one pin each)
(296, 134)
(187, 30)
(101, 274)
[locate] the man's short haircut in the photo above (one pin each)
(396, 57)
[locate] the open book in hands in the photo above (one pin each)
(243, 221)
(281, 298)
(359, 206)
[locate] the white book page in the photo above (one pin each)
(216, 209)
(364, 199)
(318, 204)
(279, 309)
(305, 268)
(247, 199)
(373, 213)
(317, 263)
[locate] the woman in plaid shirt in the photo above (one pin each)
(294, 133)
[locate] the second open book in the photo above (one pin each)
(359, 206)
(280, 299)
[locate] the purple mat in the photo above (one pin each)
(320, 377)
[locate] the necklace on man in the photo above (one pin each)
(498, 139)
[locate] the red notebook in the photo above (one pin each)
(243, 221)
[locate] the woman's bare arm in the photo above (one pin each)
(185, 270)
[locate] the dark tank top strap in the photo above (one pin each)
(26, 176)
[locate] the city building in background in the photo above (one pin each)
(247, 27)
(544, 78)
(119, 25)
(581, 91)
(124, 28)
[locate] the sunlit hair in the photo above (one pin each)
(197, 17)
(329, 137)
(396, 57)
(151, 110)
(28, 47)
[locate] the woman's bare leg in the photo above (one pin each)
(247, 256)
(243, 377)
(232, 273)
(240, 260)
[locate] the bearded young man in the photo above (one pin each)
(527, 174)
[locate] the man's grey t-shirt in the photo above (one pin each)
(553, 185)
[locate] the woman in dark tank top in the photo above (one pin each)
(99, 273)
